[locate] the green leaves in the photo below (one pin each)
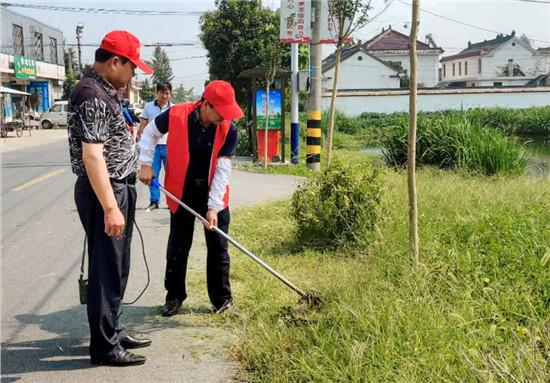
(241, 35)
(68, 85)
(161, 66)
(348, 16)
(338, 208)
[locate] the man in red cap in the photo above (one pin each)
(104, 159)
(202, 141)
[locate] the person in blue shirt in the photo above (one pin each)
(131, 119)
(153, 109)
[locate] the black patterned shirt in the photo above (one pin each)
(95, 116)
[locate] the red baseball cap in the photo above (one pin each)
(125, 44)
(222, 96)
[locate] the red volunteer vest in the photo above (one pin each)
(178, 152)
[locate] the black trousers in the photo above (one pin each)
(108, 263)
(182, 225)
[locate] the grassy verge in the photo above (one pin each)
(478, 308)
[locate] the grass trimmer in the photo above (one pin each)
(310, 298)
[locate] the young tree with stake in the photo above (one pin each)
(411, 153)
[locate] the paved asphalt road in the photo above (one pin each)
(44, 329)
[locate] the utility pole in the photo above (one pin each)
(79, 29)
(294, 96)
(313, 152)
(69, 53)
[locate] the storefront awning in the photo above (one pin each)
(13, 91)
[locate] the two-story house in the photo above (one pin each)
(359, 70)
(503, 61)
(31, 58)
(382, 63)
(393, 47)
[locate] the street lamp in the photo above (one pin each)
(79, 29)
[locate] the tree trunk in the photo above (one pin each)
(332, 113)
(411, 153)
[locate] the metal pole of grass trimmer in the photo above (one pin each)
(155, 183)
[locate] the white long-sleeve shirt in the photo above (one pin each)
(149, 138)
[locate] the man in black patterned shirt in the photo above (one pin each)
(104, 158)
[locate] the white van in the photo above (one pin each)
(56, 115)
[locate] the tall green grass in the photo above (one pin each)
(369, 129)
(452, 141)
(476, 310)
(529, 121)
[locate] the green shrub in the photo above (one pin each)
(453, 141)
(244, 146)
(338, 207)
(344, 123)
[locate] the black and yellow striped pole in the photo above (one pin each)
(313, 140)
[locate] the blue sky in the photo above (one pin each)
(503, 16)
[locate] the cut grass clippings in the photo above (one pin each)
(477, 309)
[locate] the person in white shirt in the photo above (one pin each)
(153, 109)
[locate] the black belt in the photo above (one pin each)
(128, 180)
(196, 183)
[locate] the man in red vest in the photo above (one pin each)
(201, 142)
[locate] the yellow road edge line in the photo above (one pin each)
(37, 180)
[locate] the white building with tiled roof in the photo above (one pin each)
(359, 70)
(503, 61)
(393, 47)
(382, 63)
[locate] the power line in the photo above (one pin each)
(382, 11)
(181, 50)
(105, 10)
(453, 20)
(464, 23)
(179, 58)
(191, 75)
(187, 58)
(535, 1)
(182, 44)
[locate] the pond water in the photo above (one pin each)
(539, 155)
(539, 151)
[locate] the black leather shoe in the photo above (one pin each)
(119, 358)
(130, 342)
(171, 307)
